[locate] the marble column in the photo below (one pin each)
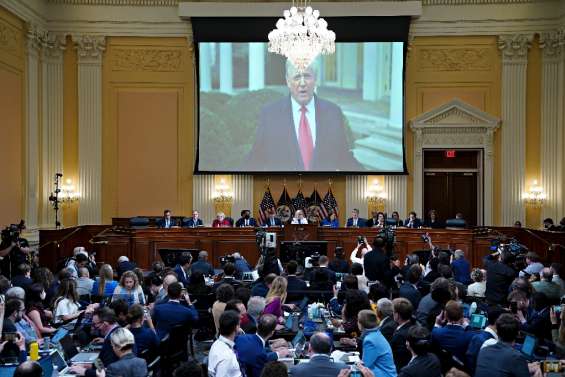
(356, 194)
(552, 122)
(90, 50)
(256, 66)
(395, 188)
(32, 144)
(242, 195)
(514, 50)
(226, 68)
(203, 188)
(52, 127)
(347, 65)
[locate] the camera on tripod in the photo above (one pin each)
(12, 232)
(228, 258)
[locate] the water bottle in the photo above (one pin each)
(34, 351)
(473, 308)
(46, 342)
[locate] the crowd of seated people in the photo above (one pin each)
(424, 316)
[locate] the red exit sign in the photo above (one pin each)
(450, 153)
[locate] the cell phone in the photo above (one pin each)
(10, 337)
(514, 307)
(338, 285)
(99, 365)
(557, 309)
(551, 366)
(355, 371)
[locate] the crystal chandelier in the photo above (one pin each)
(535, 197)
(301, 36)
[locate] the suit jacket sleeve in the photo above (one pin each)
(369, 354)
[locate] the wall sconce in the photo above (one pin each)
(535, 197)
(68, 193)
(223, 193)
(376, 194)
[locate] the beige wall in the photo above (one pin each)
(148, 128)
(12, 68)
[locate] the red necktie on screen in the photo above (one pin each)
(305, 139)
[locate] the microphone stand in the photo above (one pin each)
(54, 199)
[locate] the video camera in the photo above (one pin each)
(228, 258)
(312, 261)
(12, 232)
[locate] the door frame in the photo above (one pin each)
(456, 125)
(480, 178)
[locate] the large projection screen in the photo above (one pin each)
(258, 114)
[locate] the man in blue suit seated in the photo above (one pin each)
(252, 349)
(377, 354)
(272, 220)
(502, 359)
(320, 364)
(202, 264)
(174, 313)
(355, 221)
(453, 336)
(295, 286)
(166, 221)
(246, 221)
(182, 269)
(193, 221)
(412, 221)
(241, 265)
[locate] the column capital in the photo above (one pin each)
(514, 47)
(54, 45)
(35, 37)
(552, 43)
(89, 47)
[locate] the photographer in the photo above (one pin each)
(13, 249)
(363, 246)
(500, 275)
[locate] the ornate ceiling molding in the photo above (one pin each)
(172, 3)
(89, 46)
(552, 43)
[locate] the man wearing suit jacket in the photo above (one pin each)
(173, 313)
(320, 364)
(194, 221)
(355, 221)
(182, 269)
(273, 220)
(295, 286)
(452, 337)
(423, 363)
(412, 221)
(387, 325)
(402, 313)
(128, 364)
(301, 132)
(245, 220)
(251, 349)
(166, 221)
(501, 359)
(202, 264)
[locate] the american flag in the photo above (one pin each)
(299, 202)
(284, 200)
(329, 204)
(267, 205)
(315, 199)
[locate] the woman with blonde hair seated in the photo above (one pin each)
(276, 297)
(129, 289)
(105, 284)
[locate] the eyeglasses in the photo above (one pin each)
(305, 76)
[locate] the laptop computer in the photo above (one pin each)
(529, 346)
(73, 356)
(59, 334)
(478, 321)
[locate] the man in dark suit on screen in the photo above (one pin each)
(301, 132)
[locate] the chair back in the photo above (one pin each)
(135, 222)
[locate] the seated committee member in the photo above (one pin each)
(299, 217)
(193, 221)
(221, 221)
(245, 220)
(311, 129)
(332, 221)
(433, 221)
(412, 221)
(377, 220)
(355, 221)
(166, 221)
(273, 220)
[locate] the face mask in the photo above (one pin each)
(246, 216)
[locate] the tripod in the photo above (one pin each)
(54, 199)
